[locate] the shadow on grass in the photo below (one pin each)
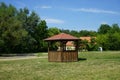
(82, 59)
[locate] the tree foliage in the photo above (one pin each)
(80, 33)
(104, 28)
(111, 39)
(53, 31)
(21, 31)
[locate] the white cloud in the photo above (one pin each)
(103, 22)
(43, 7)
(92, 10)
(54, 21)
(46, 7)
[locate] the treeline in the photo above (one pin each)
(107, 37)
(22, 31)
(80, 33)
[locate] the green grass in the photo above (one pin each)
(41, 54)
(97, 66)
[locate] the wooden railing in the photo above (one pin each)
(65, 56)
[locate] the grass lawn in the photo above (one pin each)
(94, 66)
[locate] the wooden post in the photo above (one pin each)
(76, 46)
(77, 49)
(48, 46)
(61, 46)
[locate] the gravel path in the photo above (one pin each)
(20, 58)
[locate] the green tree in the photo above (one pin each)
(41, 32)
(29, 22)
(83, 45)
(92, 46)
(53, 31)
(104, 28)
(114, 41)
(21, 31)
(65, 31)
(32, 23)
(87, 33)
(109, 39)
(114, 28)
(102, 41)
(74, 33)
(10, 28)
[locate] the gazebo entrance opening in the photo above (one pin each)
(62, 45)
(57, 50)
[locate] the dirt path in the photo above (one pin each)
(20, 58)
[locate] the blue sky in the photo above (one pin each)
(73, 14)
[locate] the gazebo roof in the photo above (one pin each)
(61, 37)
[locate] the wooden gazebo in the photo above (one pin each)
(61, 54)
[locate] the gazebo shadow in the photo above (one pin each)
(82, 59)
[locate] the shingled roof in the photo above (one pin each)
(61, 36)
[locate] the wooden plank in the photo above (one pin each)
(66, 56)
(54, 56)
(69, 56)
